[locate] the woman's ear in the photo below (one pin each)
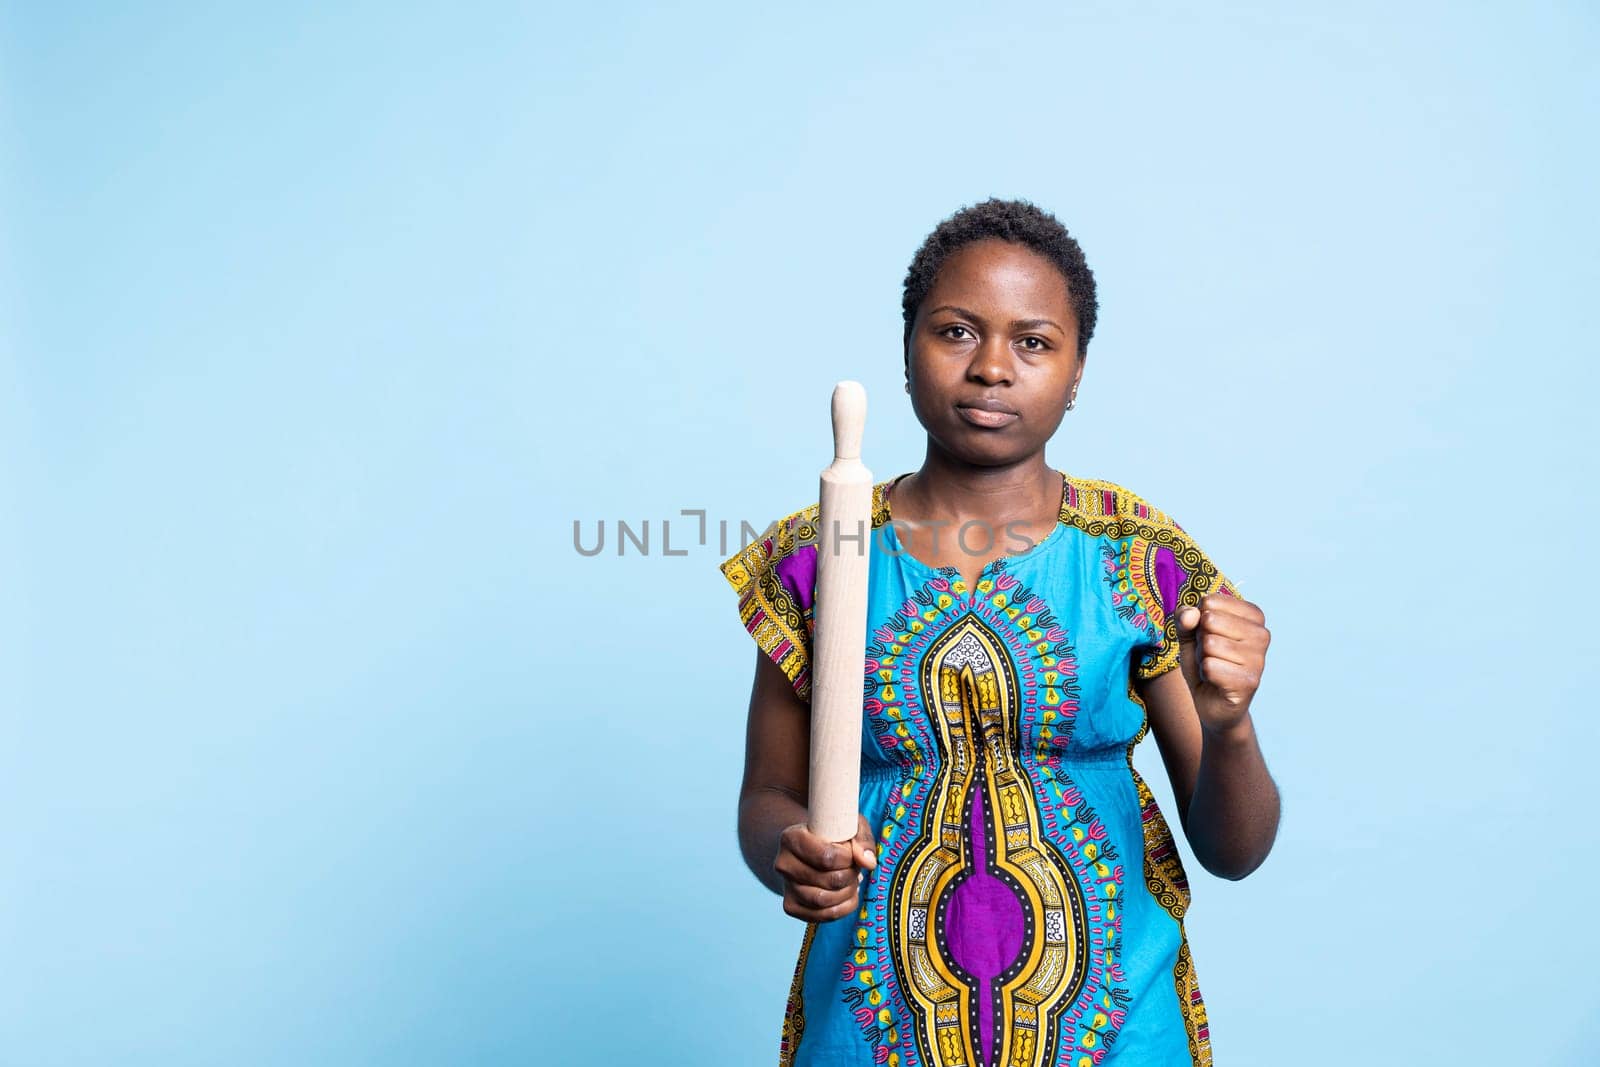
(1072, 393)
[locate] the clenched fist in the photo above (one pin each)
(821, 878)
(1231, 637)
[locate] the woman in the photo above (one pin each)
(1012, 896)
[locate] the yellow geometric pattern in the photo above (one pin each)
(971, 694)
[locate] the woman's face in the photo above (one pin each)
(994, 354)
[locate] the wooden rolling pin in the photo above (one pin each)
(840, 623)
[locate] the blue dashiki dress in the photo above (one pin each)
(1027, 908)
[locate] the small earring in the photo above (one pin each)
(908, 387)
(1072, 403)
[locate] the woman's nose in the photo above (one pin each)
(991, 362)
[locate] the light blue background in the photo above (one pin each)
(322, 745)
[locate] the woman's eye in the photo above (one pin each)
(947, 330)
(1034, 344)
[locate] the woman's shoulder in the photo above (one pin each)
(1100, 505)
(1158, 555)
(789, 540)
(782, 539)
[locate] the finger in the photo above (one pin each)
(809, 896)
(813, 916)
(1239, 627)
(800, 873)
(1188, 619)
(866, 843)
(1230, 677)
(1214, 646)
(798, 907)
(816, 851)
(1232, 605)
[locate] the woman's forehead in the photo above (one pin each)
(1001, 272)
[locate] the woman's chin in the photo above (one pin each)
(983, 448)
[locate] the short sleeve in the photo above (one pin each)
(776, 579)
(1177, 574)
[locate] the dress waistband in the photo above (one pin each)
(875, 771)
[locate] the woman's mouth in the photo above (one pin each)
(988, 420)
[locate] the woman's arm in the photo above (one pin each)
(1227, 802)
(777, 756)
(817, 879)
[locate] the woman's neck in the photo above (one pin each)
(949, 490)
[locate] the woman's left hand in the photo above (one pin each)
(1222, 647)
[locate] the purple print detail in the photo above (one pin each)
(984, 926)
(1169, 577)
(798, 573)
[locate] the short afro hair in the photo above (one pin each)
(1016, 221)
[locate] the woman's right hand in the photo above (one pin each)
(822, 879)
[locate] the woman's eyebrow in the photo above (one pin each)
(1016, 324)
(1033, 324)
